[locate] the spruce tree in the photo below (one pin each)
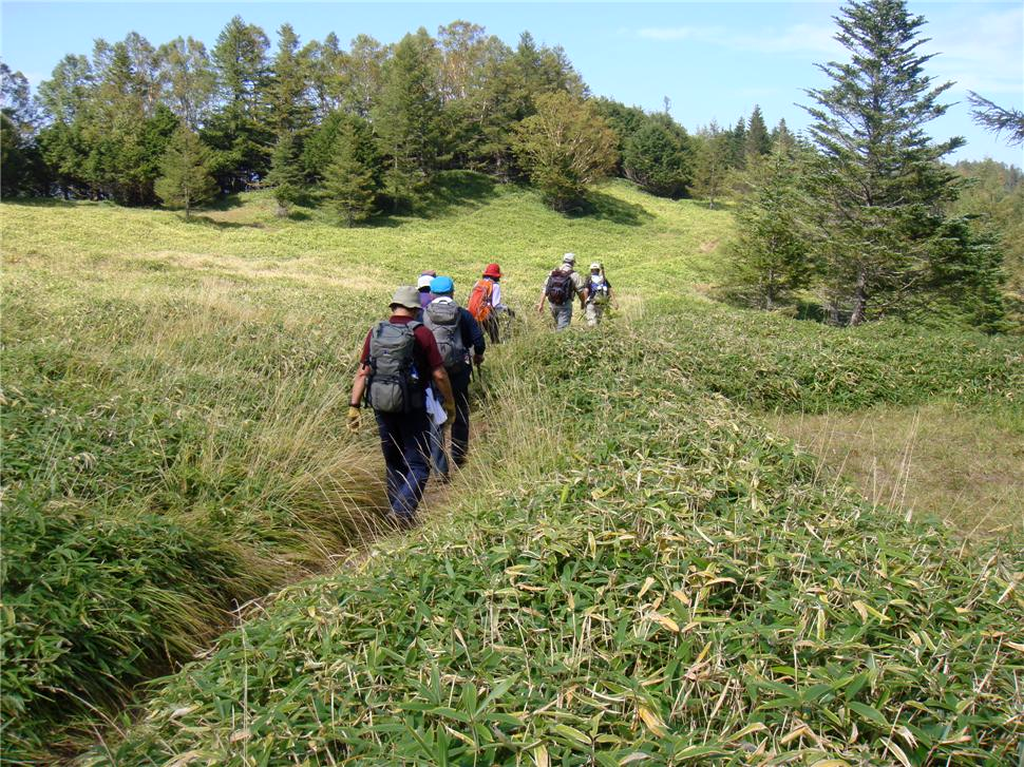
(657, 157)
(286, 173)
(185, 181)
(349, 181)
(758, 142)
(407, 118)
(880, 186)
(770, 256)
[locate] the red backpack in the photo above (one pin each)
(479, 303)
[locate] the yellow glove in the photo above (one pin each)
(353, 419)
(449, 409)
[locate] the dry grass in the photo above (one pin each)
(963, 467)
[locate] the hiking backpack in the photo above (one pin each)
(442, 318)
(393, 385)
(599, 291)
(479, 303)
(560, 287)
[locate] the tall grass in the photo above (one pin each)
(647, 576)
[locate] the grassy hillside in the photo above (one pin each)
(174, 444)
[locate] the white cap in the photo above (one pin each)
(569, 258)
(423, 281)
(595, 265)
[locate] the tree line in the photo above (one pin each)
(365, 128)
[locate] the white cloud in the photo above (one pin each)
(797, 38)
(984, 54)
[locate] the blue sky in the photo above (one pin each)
(712, 60)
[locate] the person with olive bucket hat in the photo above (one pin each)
(400, 359)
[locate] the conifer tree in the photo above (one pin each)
(758, 142)
(286, 173)
(657, 157)
(880, 185)
(349, 180)
(185, 181)
(407, 118)
(770, 256)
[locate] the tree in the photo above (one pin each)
(711, 164)
(879, 182)
(407, 117)
(286, 86)
(239, 132)
(185, 181)
(998, 119)
(758, 142)
(349, 180)
(188, 80)
(737, 145)
(565, 147)
(286, 173)
(770, 256)
(657, 157)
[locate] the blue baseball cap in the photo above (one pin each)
(439, 286)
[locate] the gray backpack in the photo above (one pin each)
(394, 387)
(443, 320)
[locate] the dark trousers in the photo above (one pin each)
(460, 426)
(405, 442)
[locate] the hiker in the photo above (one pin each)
(561, 286)
(599, 294)
(457, 333)
(423, 286)
(399, 361)
(484, 302)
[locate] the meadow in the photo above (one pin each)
(661, 576)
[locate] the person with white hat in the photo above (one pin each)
(400, 359)
(599, 294)
(560, 288)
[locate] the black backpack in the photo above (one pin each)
(393, 383)
(442, 317)
(560, 287)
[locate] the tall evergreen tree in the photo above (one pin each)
(770, 256)
(758, 142)
(288, 108)
(880, 183)
(737, 145)
(185, 181)
(285, 174)
(349, 181)
(407, 117)
(239, 132)
(657, 157)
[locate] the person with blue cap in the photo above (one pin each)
(461, 342)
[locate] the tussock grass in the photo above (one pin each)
(664, 581)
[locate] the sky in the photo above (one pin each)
(712, 60)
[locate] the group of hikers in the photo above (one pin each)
(415, 367)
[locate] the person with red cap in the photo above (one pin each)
(484, 301)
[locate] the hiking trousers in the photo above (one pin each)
(460, 426)
(593, 313)
(405, 442)
(562, 314)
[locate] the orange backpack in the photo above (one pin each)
(479, 304)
